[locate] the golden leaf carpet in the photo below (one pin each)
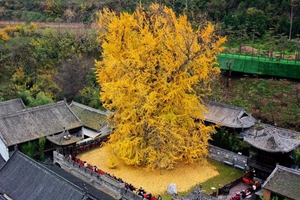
(184, 175)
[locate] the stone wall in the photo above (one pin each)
(114, 187)
(230, 158)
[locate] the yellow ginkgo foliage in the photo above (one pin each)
(151, 62)
(3, 35)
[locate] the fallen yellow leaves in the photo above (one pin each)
(184, 175)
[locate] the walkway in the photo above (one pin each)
(239, 187)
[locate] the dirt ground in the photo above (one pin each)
(184, 175)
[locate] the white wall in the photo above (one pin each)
(3, 150)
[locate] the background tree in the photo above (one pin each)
(75, 69)
(151, 64)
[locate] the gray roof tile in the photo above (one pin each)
(226, 115)
(23, 178)
(271, 138)
(94, 192)
(91, 118)
(284, 181)
(11, 106)
(32, 123)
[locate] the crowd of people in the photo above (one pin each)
(146, 195)
(98, 143)
(128, 186)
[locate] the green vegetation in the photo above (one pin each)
(296, 156)
(229, 141)
(38, 64)
(227, 175)
(34, 149)
(273, 101)
(245, 19)
(46, 65)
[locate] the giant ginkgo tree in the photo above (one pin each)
(151, 62)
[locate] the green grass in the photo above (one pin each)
(226, 175)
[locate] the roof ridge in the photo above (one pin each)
(277, 168)
(8, 101)
(224, 105)
(89, 108)
(41, 107)
(277, 127)
(270, 176)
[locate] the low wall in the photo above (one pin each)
(116, 188)
(228, 157)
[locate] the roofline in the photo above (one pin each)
(270, 176)
(274, 171)
(289, 169)
(22, 102)
(225, 124)
(1, 158)
(82, 124)
(276, 127)
(41, 107)
(270, 151)
(8, 101)
(90, 108)
(42, 166)
(32, 139)
(240, 109)
(225, 105)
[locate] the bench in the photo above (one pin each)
(239, 167)
(228, 163)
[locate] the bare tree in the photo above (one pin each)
(73, 75)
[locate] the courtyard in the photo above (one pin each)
(185, 176)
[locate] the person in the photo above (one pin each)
(159, 197)
(237, 196)
(95, 168)
(141, 192)
(145, 196)
(131, 187)
(85, 164)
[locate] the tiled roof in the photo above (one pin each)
(284, 181)
(94, 192)
(36, 122)
(226, 115)
(271, 138)
(11, 106)
(91, 118)
(23, 178)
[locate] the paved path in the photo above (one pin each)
(239, 187)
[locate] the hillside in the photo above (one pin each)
(272, 100)
(234, 17)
